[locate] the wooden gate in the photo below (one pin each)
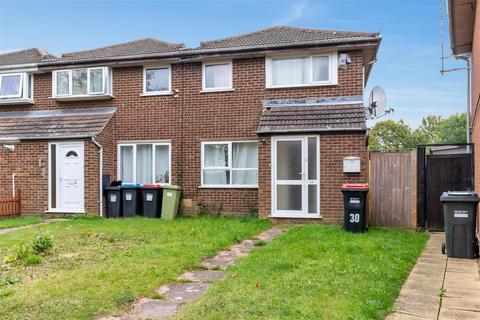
(445, 173)
(392, 195)
(10, 206)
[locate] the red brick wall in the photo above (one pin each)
(476, 98)
(186, 119)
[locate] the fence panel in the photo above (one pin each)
(10, 206)
(392, 196)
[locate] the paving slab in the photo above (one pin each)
(206, 276)
(154, 309)
(182, 292)
(455, 314)
(403, 316)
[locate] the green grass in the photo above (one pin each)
(19, 221)
(315, 272)
(98, 266)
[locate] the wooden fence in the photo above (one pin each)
(10, 206)
(392, 195)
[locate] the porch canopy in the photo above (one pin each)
(312, 115)
(54, 124)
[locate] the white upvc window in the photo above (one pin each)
(231, 164)
(157, 80)
(144, 162)
(301, 70)
(16, 86)
(82, 82)
(217, 76)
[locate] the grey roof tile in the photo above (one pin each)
(147, 46)
(27, 56)
(283, 35)
(51, 124)
(312, 118)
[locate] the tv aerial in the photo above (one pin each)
(377, 104)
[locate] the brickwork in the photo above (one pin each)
(186, 118)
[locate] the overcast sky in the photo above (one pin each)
(408, 61)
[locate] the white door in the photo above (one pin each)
(70, 177)
(295, 177)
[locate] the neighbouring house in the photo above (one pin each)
(261, 120)
(464, 27)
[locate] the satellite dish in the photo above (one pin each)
(377, 103)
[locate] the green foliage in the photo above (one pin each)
(395, 136)
(254, 212)
(32, 259)
(123, 298)
(22, 250)
(42, 243)
(391, 136)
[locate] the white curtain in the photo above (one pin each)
(289, 71)
(126, 164)
(162, 163)
(62, 82)
(216, 177)
(216, 155)
(217, 76)
(79, 81)
(96, 80)
(144, 163)
(245, 155)
(320, 68)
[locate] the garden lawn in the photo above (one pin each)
(19, 221)
(99, 266)
(315, 272)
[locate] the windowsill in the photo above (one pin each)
(217, 90)
(293, 216)
(325, 84)
(13, 101)
(227, 187)
(84, 97)
(150, 94)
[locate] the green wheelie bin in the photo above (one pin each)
(170, 201)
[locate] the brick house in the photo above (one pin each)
(464, 27)
(259, 120)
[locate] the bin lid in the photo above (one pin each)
(131, 185)
(171, 187)
(151, 186)
(459, 196)
(355, 187)
(112, 188)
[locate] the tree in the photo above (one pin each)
(453, 129)
(391, 136)
(427, 132)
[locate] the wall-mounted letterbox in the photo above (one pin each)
(351, 165)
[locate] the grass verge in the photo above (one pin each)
(19, 221)
(315, 272)
(98, 266)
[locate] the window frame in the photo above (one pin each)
(134, 145)
(213, 63)
(332, 72)
(106, 83)
(22, 86)
(228, 168)
(157, 93)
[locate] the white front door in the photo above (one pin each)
(68, 176)
(295, 177)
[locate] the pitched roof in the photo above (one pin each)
(147, 46)
(27, 56)
(54, 124)
(319, 118)
(288, 36)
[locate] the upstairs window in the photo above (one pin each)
(217, 76)
(308, 70)
(156, 80)
(82, 82)
(16, 86)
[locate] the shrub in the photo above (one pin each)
(42, 243)
(22, 250)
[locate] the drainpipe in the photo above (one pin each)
(468, 68)
(13, 185)
(100, 175)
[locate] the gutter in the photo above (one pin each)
(100, 174)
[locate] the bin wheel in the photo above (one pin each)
(444, 248)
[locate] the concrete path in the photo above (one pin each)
(192, 284)
(8, 230)
(439, 288)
